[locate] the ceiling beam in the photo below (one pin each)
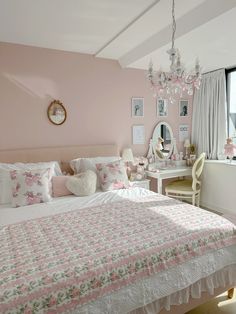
(99, 51)
(200, 15)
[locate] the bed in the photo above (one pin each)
(110, 252)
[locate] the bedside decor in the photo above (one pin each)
(128, 158)
(56, 112)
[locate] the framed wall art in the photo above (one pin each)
(183, 108)
(57, 112)
(138, 134)
(137, 107)
(162, 107)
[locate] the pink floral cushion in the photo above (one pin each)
(112, 176)
(59, 186)
(30, 187)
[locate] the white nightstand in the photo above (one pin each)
(145, 183)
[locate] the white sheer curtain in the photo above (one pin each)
(209, 115)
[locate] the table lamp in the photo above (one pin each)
(128, 157)
(187, 145)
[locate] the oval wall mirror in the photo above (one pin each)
(162, 140)
(56, 112)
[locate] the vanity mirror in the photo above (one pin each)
(162, 141)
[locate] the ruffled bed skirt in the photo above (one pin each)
(222, 278)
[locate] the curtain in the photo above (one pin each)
(209, 115)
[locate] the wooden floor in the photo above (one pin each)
(218, 305)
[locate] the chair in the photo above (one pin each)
(188, 189)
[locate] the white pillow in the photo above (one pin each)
(83, 164)
(5, 181)
(30, 186)
(82, 184)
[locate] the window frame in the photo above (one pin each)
(227, 79)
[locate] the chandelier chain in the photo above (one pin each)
(173, 24)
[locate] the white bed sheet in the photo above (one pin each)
(175, 285)
(10, 215)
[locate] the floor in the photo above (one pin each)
(218, 305)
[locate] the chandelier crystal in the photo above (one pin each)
(177, 81)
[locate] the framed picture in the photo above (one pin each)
(137, 107)
(183, 132)
(56, 112)
(183, 108)
(138, 134)
(161, 107)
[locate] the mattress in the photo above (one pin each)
(170, 286)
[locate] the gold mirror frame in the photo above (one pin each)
(56, 112)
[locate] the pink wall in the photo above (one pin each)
(96, 93)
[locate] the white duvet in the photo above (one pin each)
(175, 285)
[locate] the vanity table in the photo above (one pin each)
(162, 146)
(169, 173)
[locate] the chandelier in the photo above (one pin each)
(177, 80)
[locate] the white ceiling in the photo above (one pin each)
(130, 31)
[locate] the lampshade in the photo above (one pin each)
(187, 143)
(127, 155)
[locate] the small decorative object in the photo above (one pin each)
(192, 149)
(159, 147)
(161, 107)
(127, 156)
(138, 134)
(56, 112)
(183, 108)
(230, 149)
(141, 163)
(181, 156)
(186, 146)
(137, 106)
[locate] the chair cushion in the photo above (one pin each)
(179, 185)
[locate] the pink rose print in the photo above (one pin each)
(30, 179)
(75, 292)
(118, 185)
(114, 168)
(33, 199)
(52, 301)
(27, 310)
(13, 174)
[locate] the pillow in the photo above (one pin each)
(82, 164)
(112, 176)
(59, 186)
(30, 186)
(82, 184)
(5, 181)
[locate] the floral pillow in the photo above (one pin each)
(112, 176)
(30, 186)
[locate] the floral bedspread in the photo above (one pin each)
(57, 263)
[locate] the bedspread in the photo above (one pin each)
(56, 264)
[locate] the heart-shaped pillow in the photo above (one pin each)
(82, 184)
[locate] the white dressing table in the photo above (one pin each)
(173, 172)
(162, 145)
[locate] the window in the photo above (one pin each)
(231, 103)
